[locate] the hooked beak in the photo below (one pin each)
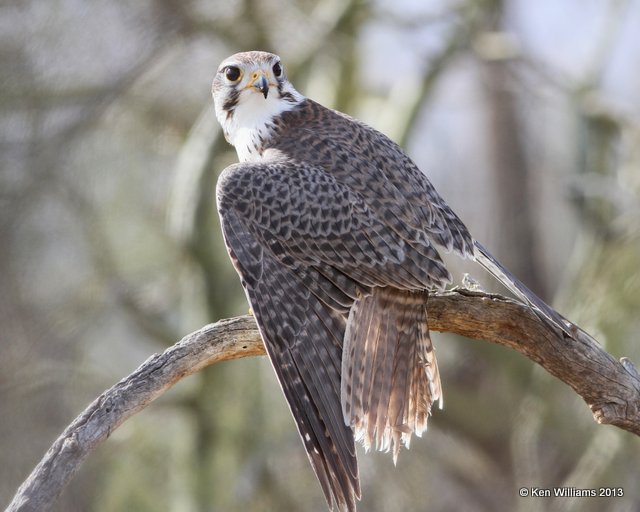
(259, 82)
(262, 85)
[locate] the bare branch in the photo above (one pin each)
(610, 388)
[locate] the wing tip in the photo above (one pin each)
(549, 316)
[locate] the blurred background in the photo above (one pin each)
(526, 116)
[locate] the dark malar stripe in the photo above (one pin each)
(285, 95)
(230, 104)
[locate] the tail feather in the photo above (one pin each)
(545, 312)
(389, 398)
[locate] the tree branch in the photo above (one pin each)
(610, 388)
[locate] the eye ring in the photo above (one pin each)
(232, 73)
(277, 70)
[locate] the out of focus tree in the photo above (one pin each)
(524, 115)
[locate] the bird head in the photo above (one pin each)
(249, 90)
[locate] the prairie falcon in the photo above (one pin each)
(332, 229)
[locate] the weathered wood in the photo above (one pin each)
(610, 388)
(224, 340)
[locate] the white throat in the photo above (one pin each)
(251, 122)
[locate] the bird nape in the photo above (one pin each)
(334, 232)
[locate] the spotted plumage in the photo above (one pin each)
(333, 230)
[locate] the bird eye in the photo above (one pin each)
(232, 73)
(277, 70)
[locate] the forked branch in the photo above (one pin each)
(610, 388)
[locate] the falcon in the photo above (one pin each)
(334, 232)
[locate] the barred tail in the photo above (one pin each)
(390, 376)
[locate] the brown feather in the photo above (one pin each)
(390, 376)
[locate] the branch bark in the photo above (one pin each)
(610, 388)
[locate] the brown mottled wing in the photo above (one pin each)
(306, 247)
(378, 170)
(391, 184)
(309, 220)
(303, 338)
